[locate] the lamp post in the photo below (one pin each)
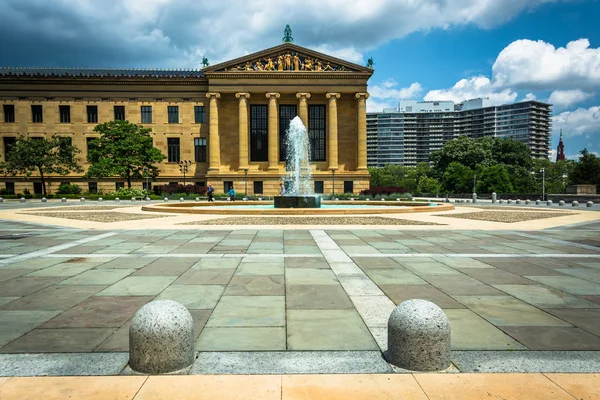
(333, 183)
(146, 175)
(245, 182)
(543, 170)
(474, 182)
(183, 167)
(565, 176)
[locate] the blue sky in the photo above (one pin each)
(507, 50)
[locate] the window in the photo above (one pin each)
(119, 113)
(9, 113)
(93, 187)
(146, 114)
(65, 142)
(316, 132)
(92, 114)
(286, 114)
(65, 114)
(173, 112)
(348, 187)
(200, 184)
(227, 185)
(258, 187)
(258, 133)
(119, 185)
(10, 187)
(173, 149)
(90, 146)
(319, 187)
(37, 114)
(199, 114)
(9, 142)
(37, 188)
(173, 183)
(147, 186)
(200, 149)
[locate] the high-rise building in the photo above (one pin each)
(408, 134)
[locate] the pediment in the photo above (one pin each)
(287, 58)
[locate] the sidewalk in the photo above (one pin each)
(296, 387)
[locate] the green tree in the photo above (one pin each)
(428, 185)
(458, 178)
(494, 178)
(586, 169)
(43, 156)
(469, 152)
(123, 149)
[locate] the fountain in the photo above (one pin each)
(298, 192)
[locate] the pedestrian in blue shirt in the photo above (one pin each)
(232, 194)
(211, 192)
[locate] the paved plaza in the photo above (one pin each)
(294, 299)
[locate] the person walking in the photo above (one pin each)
(232, 194)
(281, 189)
(211, 191)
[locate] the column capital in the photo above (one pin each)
(301, 95)
(359, 96)
(274, 95)
(333, 96)
(242, 95)
(215, 95)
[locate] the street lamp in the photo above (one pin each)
(474, 182)
(565, 176)
(147, 187)
(183, 167)
(543, 170)
(245, 182)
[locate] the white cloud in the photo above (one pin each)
(528, 64)
(565, 98)
(579, 122)
(386, 95)
(552, 155)
(177, 33)
(530, 97)
(474, 87)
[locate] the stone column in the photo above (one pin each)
(214, 149)
(272, 131)
(332, 138)
(303, 107)
(243, 130)
(361, 164)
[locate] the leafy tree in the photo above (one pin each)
(586, 169)
(123, 149)
(511, 152)
(493, 178)
(458, 178)
(428, 185)
(29, 155)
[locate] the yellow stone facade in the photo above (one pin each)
(226, 91)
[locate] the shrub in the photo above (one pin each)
(383, 191)
(66, 188)
(128, 193)
(170, 190)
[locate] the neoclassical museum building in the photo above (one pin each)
(227, 121)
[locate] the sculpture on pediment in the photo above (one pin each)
(280, 63)
(269, 66)
(296, 62)
(248, 66)
(258, 66)
(308, 64)
(319, 66)
(328, 67)
(287, 62)
(204, 62)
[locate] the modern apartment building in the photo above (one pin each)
(408, 134)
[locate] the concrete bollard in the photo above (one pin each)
(575, 204)
(198, 198)
(43, 200)
(1, 200)
(117, 200)
(367, 199)
(181, 199)
(381, 199)
(166, 199)
(518, 201)
(82, 199)
(474, 197)
(527, 201)
(22, 200)
(501, 201)
(494, 196)
(509, 201)
(133, 199)
(561, 203)
(63, 200)
(100, 199)
(589, 204)
(260, 199)
(161, 338)
(419, 336)
(549, 202)
(537, 202)
(147, 198)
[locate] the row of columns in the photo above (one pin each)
(273, 124)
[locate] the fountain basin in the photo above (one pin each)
(297, 202)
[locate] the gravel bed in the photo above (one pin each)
(99, 217)
(507, 217)
(82, 208)
(513, 208)
(308, 221)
